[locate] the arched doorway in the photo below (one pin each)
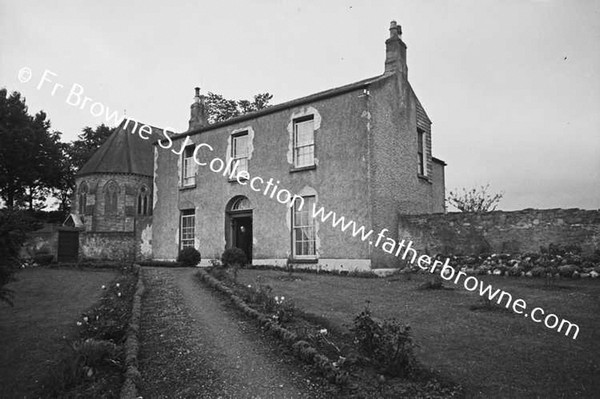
(238, 225)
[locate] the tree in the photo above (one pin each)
(29, 154)
(81, 150)
(477, 200)
(220, 109)
(14, 226)
(66, 183)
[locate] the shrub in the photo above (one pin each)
(285, 310)
(264, 297)
(388, 344)
(234, 257)
(14, 226)
(81, 363)
(219, 273)
(189, 257)
(94, 352)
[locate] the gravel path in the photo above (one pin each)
(192, 346)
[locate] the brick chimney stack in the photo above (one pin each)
(395, 51)
(198, 116)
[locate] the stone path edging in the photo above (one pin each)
(133, 378)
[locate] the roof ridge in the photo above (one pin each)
(128, 153)
(287, 104)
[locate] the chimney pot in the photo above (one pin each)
(395, 29)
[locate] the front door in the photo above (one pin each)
(242, 235)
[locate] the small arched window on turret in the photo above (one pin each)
(143, 202)
(111, 193)
(83, 192)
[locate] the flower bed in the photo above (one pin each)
(295, 269)
(160, 263)
(94, 362)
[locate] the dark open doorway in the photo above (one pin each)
(68, 246)
(241, 228)
(238, 225)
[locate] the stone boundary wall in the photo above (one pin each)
(107, 245)
(501, 232)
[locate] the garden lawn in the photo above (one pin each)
(48, 302)
(491, 353)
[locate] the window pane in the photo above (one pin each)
(242, 164)
(187, 229)
(305, 156)
(240, 146)
(189, 177)
(303, 233)
(304, 133)
(304, 139)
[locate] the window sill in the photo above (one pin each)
(190, 187)
(303, 168)
(423, 177)
(305, 260)
(236, 180)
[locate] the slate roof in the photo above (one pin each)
(124, 152)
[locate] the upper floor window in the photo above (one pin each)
(143, 202)
(188, 228)
(304, 142)
(188, 167)
(422, 167)
(303, 230)
(83, 192)
(111, 194)
(239, 150)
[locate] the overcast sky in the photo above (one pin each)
(512, 86)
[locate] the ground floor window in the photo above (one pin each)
(188, 230)
(303, 230)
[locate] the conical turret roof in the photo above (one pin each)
(125, 151)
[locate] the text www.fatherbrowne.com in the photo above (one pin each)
(405, 250)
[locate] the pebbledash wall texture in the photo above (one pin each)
(502, 232)
(372, 161)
